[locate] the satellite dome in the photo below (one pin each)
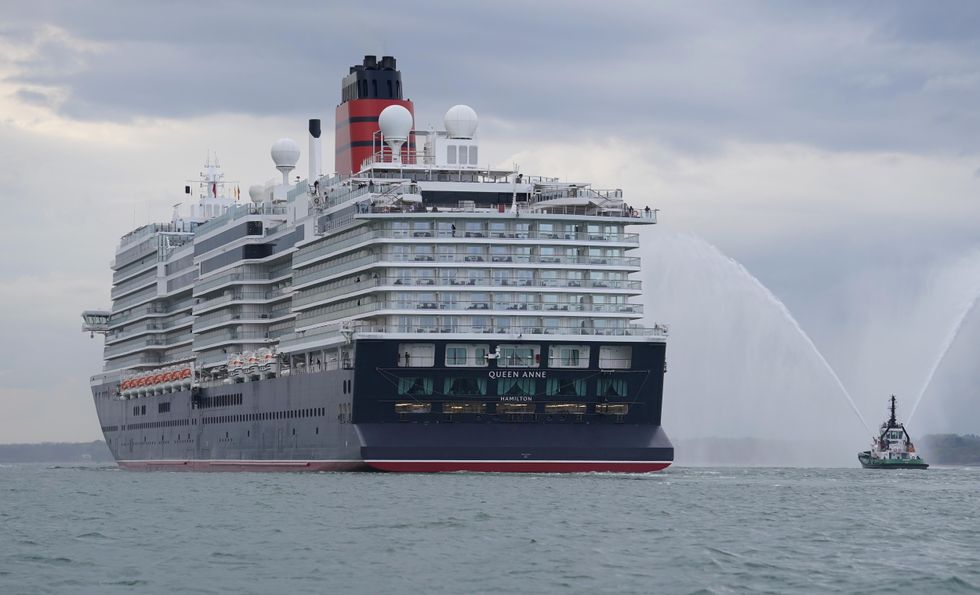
(285, 153)
(460, 121)
(395, 122)
(255, 192)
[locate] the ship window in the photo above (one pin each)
(525, 278)
(451, 154)
(413, 407)
(565, 408)
(465, 386)
(426, 324)
(416, 355)
(568, 356)
(612, 408)
(453, 408)
(513, 408)
(456, 356)
(473, 155)
(616, 357)
(474, 229)
(479, 301)
(612, 387)
(514, 387)
(566, 387)
(479, 324)
(414, 386)
(463, 158)
(519, 356)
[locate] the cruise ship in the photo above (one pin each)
(416, 310)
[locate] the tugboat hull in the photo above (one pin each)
(869, 462)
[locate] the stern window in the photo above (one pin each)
(615, 357)
(519, 356)
(414, 386)
(416, 355)
(568, 356)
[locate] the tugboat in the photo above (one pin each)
(893, 448)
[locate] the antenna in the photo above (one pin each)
(513, 199)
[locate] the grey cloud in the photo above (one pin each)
(836, 75)
(35, 98)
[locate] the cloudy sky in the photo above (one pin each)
(831, 149)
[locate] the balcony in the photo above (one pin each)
(658, 331)
(201, 343)
(149, 327)
(145, 295)
(327, 247)
(153, 342)
(236, 278)
(146, 279)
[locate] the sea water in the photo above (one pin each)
(95, 529)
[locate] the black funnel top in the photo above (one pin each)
(372, 80)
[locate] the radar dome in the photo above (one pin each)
(255, 193)
(460, 121)
(285, 153)
(395, 122)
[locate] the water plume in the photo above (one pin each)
(740, 363)
(944, 351)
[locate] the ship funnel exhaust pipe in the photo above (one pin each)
(315, 152)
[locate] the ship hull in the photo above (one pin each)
(516, 447)
(344, 420)
(301, 424)
(869, 462)
(242, 465)
(291, 423)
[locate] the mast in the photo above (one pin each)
(892, 421)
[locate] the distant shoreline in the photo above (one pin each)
(937, 449)
(56, 452)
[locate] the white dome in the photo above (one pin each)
(461, 121)
(285, 153)
(255, 192)
(395, 122)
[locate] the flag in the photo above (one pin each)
(214, 189)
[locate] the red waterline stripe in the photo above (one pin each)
(520, 466)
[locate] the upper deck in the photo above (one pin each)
(421, 239)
